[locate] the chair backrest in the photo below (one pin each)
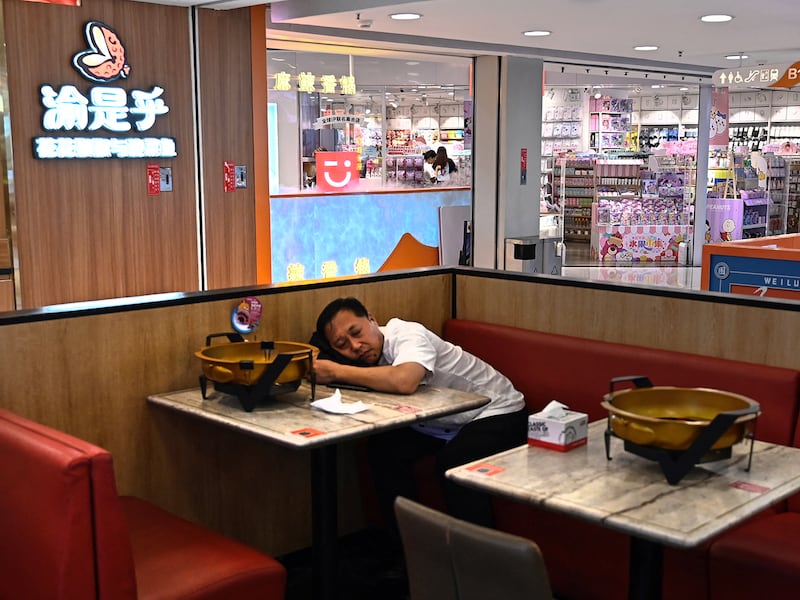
(450, 559)
(63, 532)
(495, 564)
(424, 533)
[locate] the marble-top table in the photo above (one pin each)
(290, 420)
(631, 494)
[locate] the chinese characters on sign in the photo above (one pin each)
(105, 108)
(307, 82)
(112, 109)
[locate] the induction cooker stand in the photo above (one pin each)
(646, 556)
(675, 464)
(265, 387)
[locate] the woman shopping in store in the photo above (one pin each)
(443, 165)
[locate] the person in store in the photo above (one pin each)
(443, 165)
(428, 170)
(402, 356)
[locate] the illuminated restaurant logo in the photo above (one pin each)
(102, 107)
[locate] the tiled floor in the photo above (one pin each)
(580, 266)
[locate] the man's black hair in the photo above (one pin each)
(319, 338)
(326, 316)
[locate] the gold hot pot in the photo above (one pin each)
(673, 418)
(253, 370)
(678, 427)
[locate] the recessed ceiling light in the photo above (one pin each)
(656, 86)
(406, 16)
(645, 48)
(278, 59)
(716, 18)
(412, 63)
(736, 56)
(537, 33)
(684, 89)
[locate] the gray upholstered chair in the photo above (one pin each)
(447, 558)
(424, 533)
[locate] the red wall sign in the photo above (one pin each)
(153, 180)
(337, 171)
(229, 176)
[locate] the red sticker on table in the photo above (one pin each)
(308, 432)
(405, 408)
(749, 487)
(486, 469)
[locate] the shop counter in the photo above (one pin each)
(639, 243)
(317, 236)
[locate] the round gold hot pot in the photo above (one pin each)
(672, 418)
(245, 362)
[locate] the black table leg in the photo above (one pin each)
(646, 564)
(324, 515)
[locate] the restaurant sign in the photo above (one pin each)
(340, 120)
(102, 107)
(766, 76)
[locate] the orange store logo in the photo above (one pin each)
(104, 60)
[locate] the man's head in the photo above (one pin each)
(351, 330)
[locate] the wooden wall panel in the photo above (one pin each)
(87, 228)
(696, 323)
(226, 111)
(90, 376)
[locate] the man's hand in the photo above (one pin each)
(325, 371)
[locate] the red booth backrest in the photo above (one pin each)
(577, 372)
(50, 534)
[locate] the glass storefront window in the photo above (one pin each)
(382, 112)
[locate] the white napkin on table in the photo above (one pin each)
(334, 404)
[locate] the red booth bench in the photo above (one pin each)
(759, 559)
(65, 534)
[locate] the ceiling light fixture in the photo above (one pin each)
(645, 48)
(716, 18)
(406, 16)
(537, 33)
(736, 56)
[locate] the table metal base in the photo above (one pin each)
(324, 515)
(646, 565)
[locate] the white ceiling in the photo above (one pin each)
(594, 34)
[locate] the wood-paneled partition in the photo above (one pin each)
(90, 374)
(721, 325)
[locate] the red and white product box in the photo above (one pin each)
(558, 428)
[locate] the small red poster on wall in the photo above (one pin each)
(153, 180)
(523, 166)
(229, 176)
(337, 171)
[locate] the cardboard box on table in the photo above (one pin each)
(558, 428)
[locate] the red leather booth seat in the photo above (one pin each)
(65, 534)
(586, 561)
